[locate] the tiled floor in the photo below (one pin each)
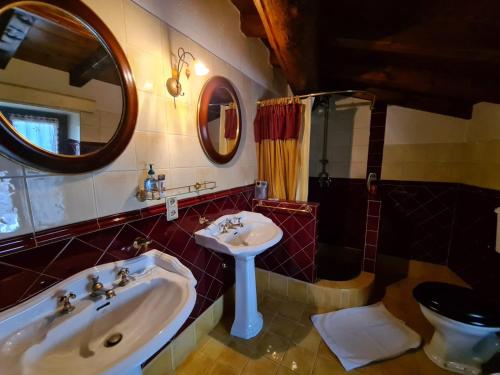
(289, 344)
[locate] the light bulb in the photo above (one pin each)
(200, 69)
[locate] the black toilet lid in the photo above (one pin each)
(457, 303)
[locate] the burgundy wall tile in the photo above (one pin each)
(75, 257)
(35, 260)
(342, 217)
(40, 267)
(416, 219)
(297, 249)
(14, 282)
(369, 265)
(122, 245)
(145, 226)
(472, 252)
(102, 238)
(43, 282)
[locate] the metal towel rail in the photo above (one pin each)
(306, 210)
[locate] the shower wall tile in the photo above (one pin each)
(472, 252)
(342, 216)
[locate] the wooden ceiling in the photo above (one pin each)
(48, 36)
(441, 56)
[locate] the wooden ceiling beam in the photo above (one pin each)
(425, 52)
(90, 68)
(252, 26)
(291, 28)
(14, 27)
(413, 80)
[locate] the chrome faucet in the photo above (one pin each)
(204, 221)
(123, 274)
(141, 243)
(98, 289)
(64, 301)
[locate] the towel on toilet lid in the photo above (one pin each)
(362, 335)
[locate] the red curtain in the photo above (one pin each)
(231, 125)
(279, 121)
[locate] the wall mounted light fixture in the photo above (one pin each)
(173, 84)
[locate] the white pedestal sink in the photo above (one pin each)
(99, 336)
(256, 234)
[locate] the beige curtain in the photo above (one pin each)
(277, 127)
(303, 147)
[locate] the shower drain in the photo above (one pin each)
(113, 340)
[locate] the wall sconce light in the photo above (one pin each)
(173, 84)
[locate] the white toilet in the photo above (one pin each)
(465, 327)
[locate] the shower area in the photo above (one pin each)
(340, 132)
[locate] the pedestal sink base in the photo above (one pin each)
(247, 330)
(247, 320)
(252, 234)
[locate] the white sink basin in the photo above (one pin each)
(37, 338)
(256, 234)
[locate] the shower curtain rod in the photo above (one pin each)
(326, 93)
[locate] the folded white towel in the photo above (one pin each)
(366, 334)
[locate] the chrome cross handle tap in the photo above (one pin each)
(140, 243)
(66, 304)
(123, 275)
(98, 289)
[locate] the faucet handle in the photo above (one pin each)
(66, 304)
(123, 275)
(141, 242)
(123, 272)
(96, 284)
(67, 297)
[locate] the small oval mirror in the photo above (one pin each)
(219, 120)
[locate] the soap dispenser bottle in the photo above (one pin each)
(150, 182)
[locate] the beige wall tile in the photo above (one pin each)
(204, 324)
(262, 279)
(183, 345)
(162, 364)
(297, 290)
(60, 200)
(15, 217)
(115, 192)
(278, 284)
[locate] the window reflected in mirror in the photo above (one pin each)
(222, 121)
(59, 86)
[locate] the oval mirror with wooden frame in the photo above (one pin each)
(68, 102)
(219, 120)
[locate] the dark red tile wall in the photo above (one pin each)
(472, 250)
(295, 254)
(417, 219)
(371, 235)
(29, 265)
(343, 211)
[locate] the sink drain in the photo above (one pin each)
(113, 340)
